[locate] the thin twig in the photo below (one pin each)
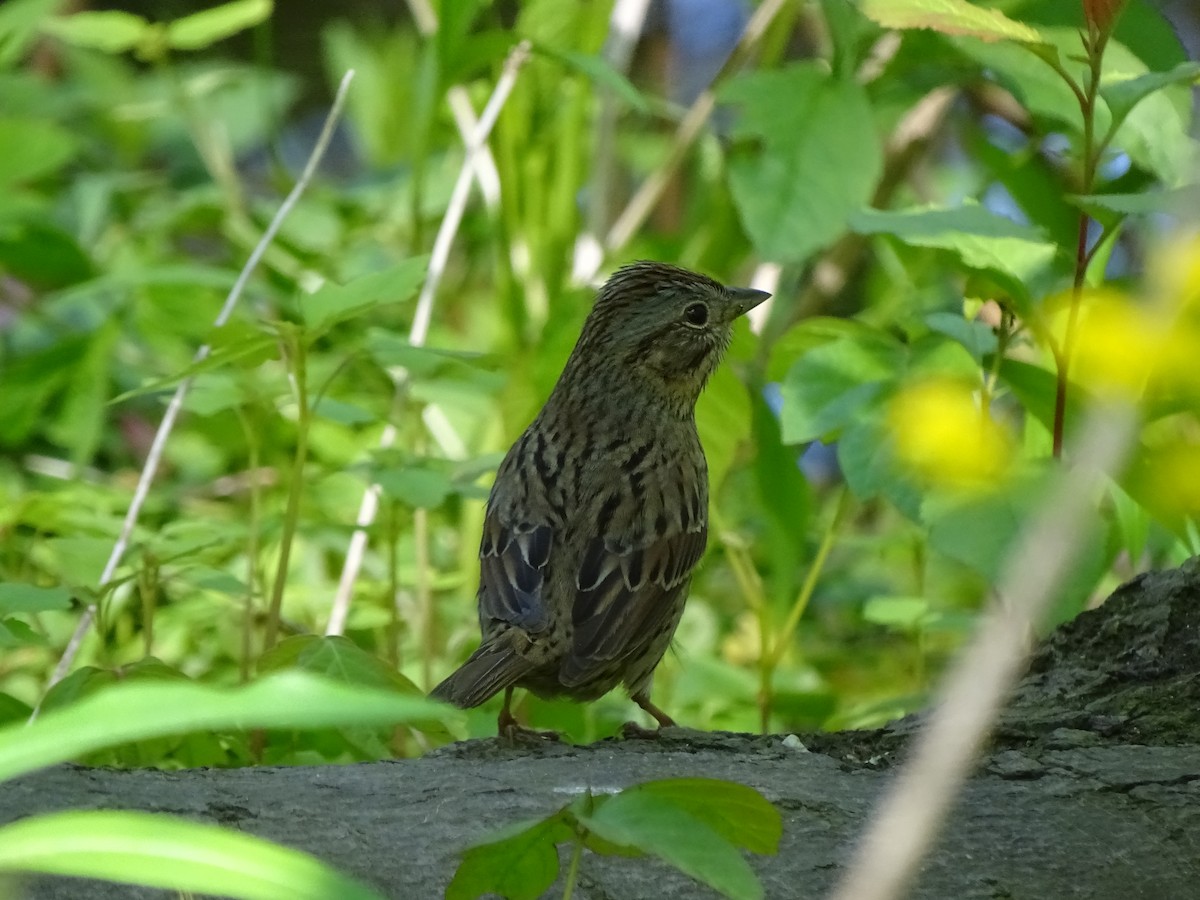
(642, 203)
(625, 26)
(420, 327)
(154, 457)
(906, 822)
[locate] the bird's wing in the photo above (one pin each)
(512, 570)
(624, 593)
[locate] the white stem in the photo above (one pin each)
(906, 822)
(154, 457)
(422, 316)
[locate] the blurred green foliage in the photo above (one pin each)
(138, 175)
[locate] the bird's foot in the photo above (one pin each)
(634, 731)
(513, 734)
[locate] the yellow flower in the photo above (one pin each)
(945, 438)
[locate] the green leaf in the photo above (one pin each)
(739, 814)
(15, 633)
(208, 26)
(1015, 253)
(901, 613)
(134, 711)
(393, 351)
(1123, 96)
(33, 148)
(806, 155)
(833, 384)
(599, 72)
(336, 657)
(26, 598)
(335, 303)
(864, 453)
(948, 17)
(1173, 201)
(723, 419)
(170, 853)
(518, 863)
(675, 835)
(415, 486)
(977, 337)
(109, 32)
(19, 24)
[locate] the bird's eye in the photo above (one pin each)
(696, 314)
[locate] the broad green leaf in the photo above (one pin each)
(134, 711)
(1173, 201)
(110, 32)
(836, 383)
(864, 453)
(806, 155)
(518, 863)
(340, 659)
(336, 657)
(171, 853)
(904, 613)
(90, 680)
(415, 486)
(335, 303)
(977, 532)
(723, 420)
(26, 598)
(343, 413)
(392, 351)
(42, 254)
(33, 148)
(1123, 96)
(675, 835)
(948, 17)
(13, 710)
(739, 814)
(977, 337)
(982, 240)
(19, 24)
(208, 26)
(15, 633)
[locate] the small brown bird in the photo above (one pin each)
(599, 511)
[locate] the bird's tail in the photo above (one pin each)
(489, 670)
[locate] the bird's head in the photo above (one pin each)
(664, 322)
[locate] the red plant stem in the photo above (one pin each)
(1094, 44)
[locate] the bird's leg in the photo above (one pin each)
(506, 724)
(511, 732)
(633, 730)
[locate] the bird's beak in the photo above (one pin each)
(744, 300)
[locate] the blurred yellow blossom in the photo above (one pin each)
(1172, 479)
(941, 433)
(1125, 348)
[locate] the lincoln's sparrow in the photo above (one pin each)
(599, 512)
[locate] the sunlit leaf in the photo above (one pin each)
(170, 853)
(958, 17)
(208, 26)
(26, 598)
(806, 155)
(518, 863)
(110, 31)
(133, 711)
(678, 837)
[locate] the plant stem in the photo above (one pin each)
(291, 517)
(1094, 44)
(799, 605)
(573, 868)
